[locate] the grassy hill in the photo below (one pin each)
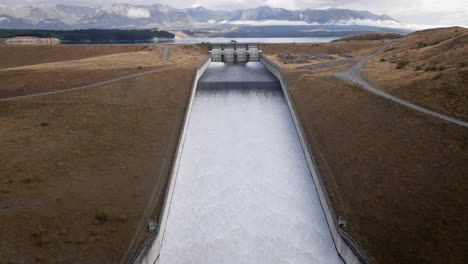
(371, 36)
(427, 67)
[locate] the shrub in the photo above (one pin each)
(438, 76)
(419, 67)
(38, 232)
(123, 218)
(102, 215)
(442, 68)
(462, 64)
(422, 44)
(39, 237)
(430, 68)
(382, 60)
(401, 64)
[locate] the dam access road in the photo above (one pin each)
(353, 74)
(243, 192)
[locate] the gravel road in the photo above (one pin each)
(354, 75)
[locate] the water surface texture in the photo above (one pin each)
(244, 193)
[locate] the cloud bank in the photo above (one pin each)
(422, 12)
(136, 13)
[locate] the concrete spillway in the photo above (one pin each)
(243, 192)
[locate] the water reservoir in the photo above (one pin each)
(243, 192)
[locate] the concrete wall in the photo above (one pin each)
(347, 249)
(149, 253)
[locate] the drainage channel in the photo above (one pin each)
(243, 191)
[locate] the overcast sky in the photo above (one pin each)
(428, 12)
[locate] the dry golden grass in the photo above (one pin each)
(370, 36)
(78, 167)
(21, 55)
(428, 68)
(37, 78)
(397, 176)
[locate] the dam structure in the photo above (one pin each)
(242, 189)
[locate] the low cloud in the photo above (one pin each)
(136, 13)
(269, 23)
(387, 24)
(351, 22)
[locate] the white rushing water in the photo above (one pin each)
(244, 193)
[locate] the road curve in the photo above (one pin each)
(88, 85)
(353, 75)
(165, 52)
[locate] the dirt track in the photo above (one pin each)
(353, 75)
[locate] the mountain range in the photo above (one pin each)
(128, 16)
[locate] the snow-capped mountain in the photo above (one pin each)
(140, 16)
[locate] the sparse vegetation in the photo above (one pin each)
(418, 68)
(438, 76)
(122, 218)
(5, 191)
(102, 215)
(401, 64)
(38, 232)
(462, 64)
(80, 134)
(442, 68)
(382, 60)
(39, 235)
(370, 36)
(430, 68)
(94, 232)
(422, 44)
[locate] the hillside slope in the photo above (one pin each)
(429, 68)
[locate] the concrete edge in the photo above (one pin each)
(149, 252)
(347, 248)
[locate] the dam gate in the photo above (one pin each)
(235, 52)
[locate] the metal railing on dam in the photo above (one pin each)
(243, 188)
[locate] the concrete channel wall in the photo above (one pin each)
(149, 253)
(347, 249)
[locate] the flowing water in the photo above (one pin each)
(244, 193)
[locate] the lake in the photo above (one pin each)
(214, 40)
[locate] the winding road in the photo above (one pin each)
(353, 75)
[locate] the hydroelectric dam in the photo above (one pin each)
(244, 187)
